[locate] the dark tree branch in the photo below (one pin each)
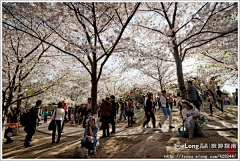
(51, 45)
(118, 39)
(166, 16)
(209, 40)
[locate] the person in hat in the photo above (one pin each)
(194, 121)
(90, 136)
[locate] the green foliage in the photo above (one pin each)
(49, 107)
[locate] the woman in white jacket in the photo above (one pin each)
(166, 111)
(58, 117)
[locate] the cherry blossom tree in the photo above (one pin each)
(22, 58)
(89, 32)
(189, 28)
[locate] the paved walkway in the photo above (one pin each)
(79, 132)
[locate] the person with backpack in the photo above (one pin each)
(149, 111)
(165, 110)
(212, 101)
(130, 113)
(58, 118)
(220, 97)
(32, 123)
(13, 120)
(192, 94)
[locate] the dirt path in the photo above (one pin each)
(151, 146)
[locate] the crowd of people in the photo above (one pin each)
(107, 113)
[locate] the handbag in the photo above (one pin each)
(182, 132)
(221, 98)
(13, 125)
(52, 124)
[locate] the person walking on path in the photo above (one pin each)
(165, 110)
(149, 111)
(58, 118)
(212, 101)
(45, 115)
(130, 113)
(13, 120)
(122, 108)
(32, 123)
(192, 94)
(170, 102)
(145, 107)
(220, 98)
(234, 98)
(90, 136)
(113, 113)
(106, 109)
(64, 106)
(236, 95)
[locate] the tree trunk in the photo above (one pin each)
(94, 87)
(161, 86)
(179, 72)
(3, 100)
(19, 102)
(9, 100)
(94, 97)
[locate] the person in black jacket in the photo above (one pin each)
(31, 127)
(13, 119)
(149, 111)
(219, 94)
(113, 113)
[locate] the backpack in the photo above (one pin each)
(29, 120)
